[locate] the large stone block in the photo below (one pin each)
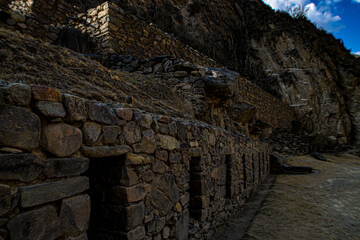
(5, 199)
(124, 113)
(132, 133)
(110, 133)
(105, 151)
(148, 142)
(39, 224)
(75, 107)
(61, 167)
(50, 109)
(18, 94)
(101, 113)
(133, 215)
(168, 142)
(130, 194)
(61, 139)
(19, 128)
(137, 159)
(46, 94)
(75, 214)
(136, 233)
(91, 132)
(48, 192)
(182, 226)
(164, 194)
(23, 167)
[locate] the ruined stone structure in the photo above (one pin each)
(72, 167)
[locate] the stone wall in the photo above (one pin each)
(110, 29)
(147, 176)
(219, 97)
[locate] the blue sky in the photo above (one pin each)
(340, 17)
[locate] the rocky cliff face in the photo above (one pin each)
(305, 67)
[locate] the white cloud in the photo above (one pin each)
(321, 16)
(357, 1)
(357, 53)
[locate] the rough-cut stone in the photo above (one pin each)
(148, 142)
(75, 108)
(124, 113)
(75, 214)
(61, 139)
(80, 237)
(133, 215)
(110, 133)
(91, 132)
(62, 167)
(175, 157)
(164, 193)
(128, 177)
(23, 167)
(18, 94)
(168, 142)
(132, 133)
(40, 224)
(130, 194)
(162, 155)
(47, 192)
(19, 128)
(159, 167)
(165, 232)
(182, 226)
(100, 112)
(10, 150)
(105, 151)
(136, 233)
(136, 159)
(50, 109)
(5, 199)
(46, 94)
(146, 121)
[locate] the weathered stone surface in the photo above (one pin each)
(47, 192)
(80, 237)
(91, 132)
(50, 109)
(136, 159)
(105, 151)
(10, 150)
(164, 194)
(110, 133)
(134, 215)
(168, 142)
(146, 121)
(241, 112)
(128, 177)
(100, 112)
(159, 167)
(23, 167)
(75, 214)
(132, 133)
(124, 113)
(19, 128)
(162, 155)
(130, 194)
(182, 226)
(136, 233)
(46, 94)
(148, 142)
(175, 157)
(18, 94)
(5, 199)
(41, 224)
(61, 167)
(75, 108)
(61, 139)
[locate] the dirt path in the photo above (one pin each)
(324, 205)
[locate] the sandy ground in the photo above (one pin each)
(322, 205)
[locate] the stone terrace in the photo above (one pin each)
(71, 168)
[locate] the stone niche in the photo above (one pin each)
(71, 168)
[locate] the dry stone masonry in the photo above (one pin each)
(86, 170)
